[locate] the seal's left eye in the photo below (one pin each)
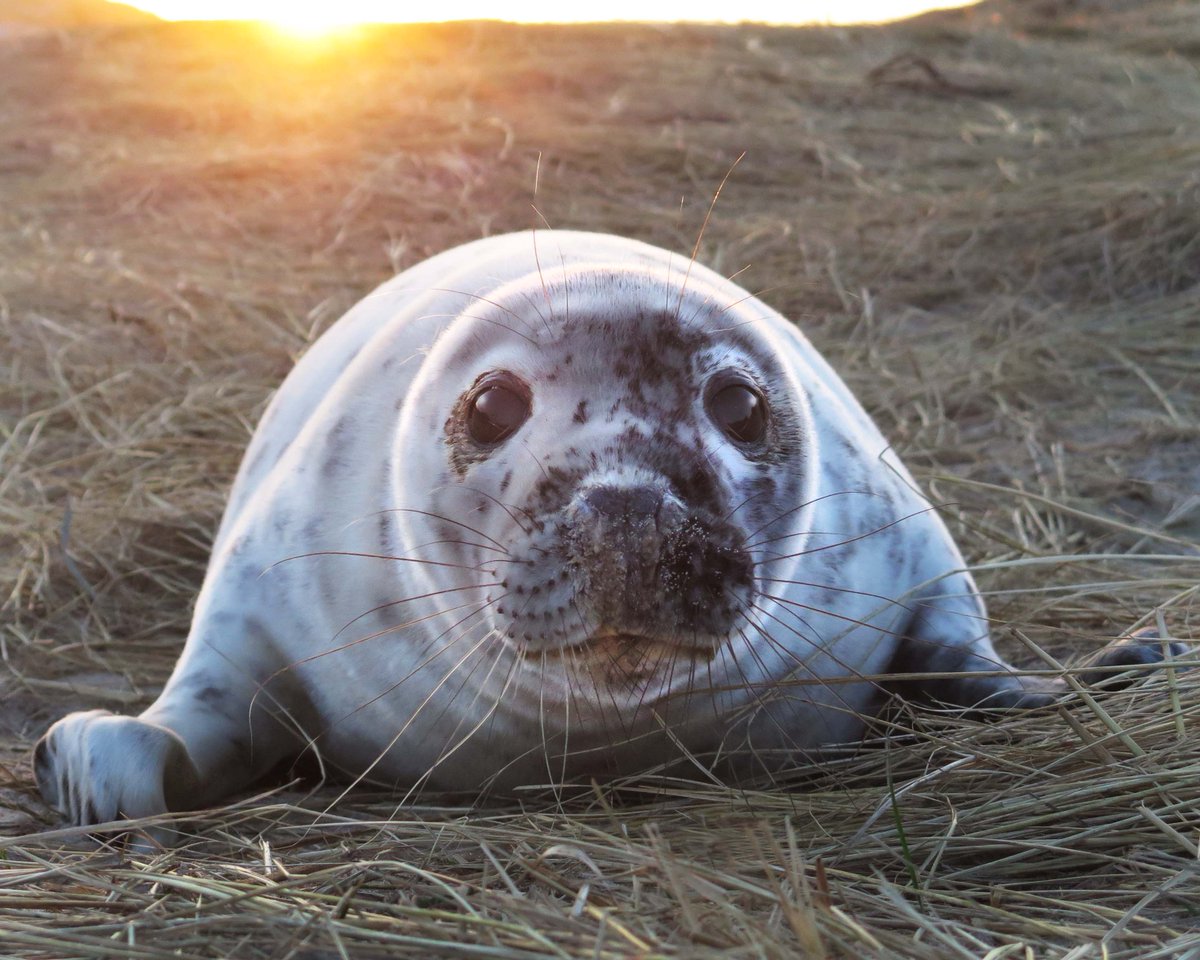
(495, 413)
(741, 411)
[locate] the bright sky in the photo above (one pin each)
(316, 16)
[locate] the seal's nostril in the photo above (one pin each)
(624, 502)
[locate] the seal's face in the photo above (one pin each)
(622, 482)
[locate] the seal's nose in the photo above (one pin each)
(625, 504)
(644, 565)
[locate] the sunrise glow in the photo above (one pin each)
(316, 18)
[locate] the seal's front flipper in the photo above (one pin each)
(944, 660)
(193, 746)
(1140, 652)
(95, 767)
(946, 657)
(967, 677)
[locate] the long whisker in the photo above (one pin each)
(502, 649)
(461, 543)
(855, 539)
(796, 509)
(604, 714)
(563, 263)
(753, 496)
(488, 714)
(508, 508)
(797, 605)
(386, 632)
(562, 773)
(755, 295)
(759, 702)
(492, 320)
(703, 227)
(429, 659)
(780, 686)
(383, 556)
(426, 700)
(438, 516)
(396, 628)
(812, 639)
(423, 596)
(834, 589)
(499, 306)
(536, 459)
(541, 277)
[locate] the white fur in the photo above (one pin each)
(288, 649)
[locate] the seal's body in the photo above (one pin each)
(547, 506)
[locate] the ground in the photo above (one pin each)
(990, 224)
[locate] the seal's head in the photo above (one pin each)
(619, 453)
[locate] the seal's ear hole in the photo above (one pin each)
(741, 411)
(496, 411)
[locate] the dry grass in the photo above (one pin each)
(990, 223)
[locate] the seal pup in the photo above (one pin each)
(547, 506)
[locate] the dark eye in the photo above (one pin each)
(496, 412)
(741, 411)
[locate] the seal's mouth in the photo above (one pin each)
(622, 658)
(612, 643)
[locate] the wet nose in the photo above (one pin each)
(624, 503)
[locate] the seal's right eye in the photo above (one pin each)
(741, 411)
(495, 413)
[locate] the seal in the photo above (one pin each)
(550, 506)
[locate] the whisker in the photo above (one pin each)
(612, 695)
(463, 714)
(387, 631)
(276, 708)
(790, 536)
(492, 320)
(781, 686)
(577, 670)
(508, 508)
(753, 496)
(448, 751)
(423, 596)
(438, 516)
(836, 589)
(562, 773)
(380, 556)
(814, 640)
(461, 543)
(855, 539)
(807, 503)
(498, 306)
(536, 459)
(756, 294)
(760, 703)
(412, 717)
(703, 227)
(562, 259)
(737, 273)
(373, 636)
(541, 276)
(752, 320)
(838, 616)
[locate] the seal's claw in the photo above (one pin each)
(95, 767)
(1143, 649)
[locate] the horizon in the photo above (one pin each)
(316, 19)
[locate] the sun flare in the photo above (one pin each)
(307, 23)
(317, 19)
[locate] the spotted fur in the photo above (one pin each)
(616, 585)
